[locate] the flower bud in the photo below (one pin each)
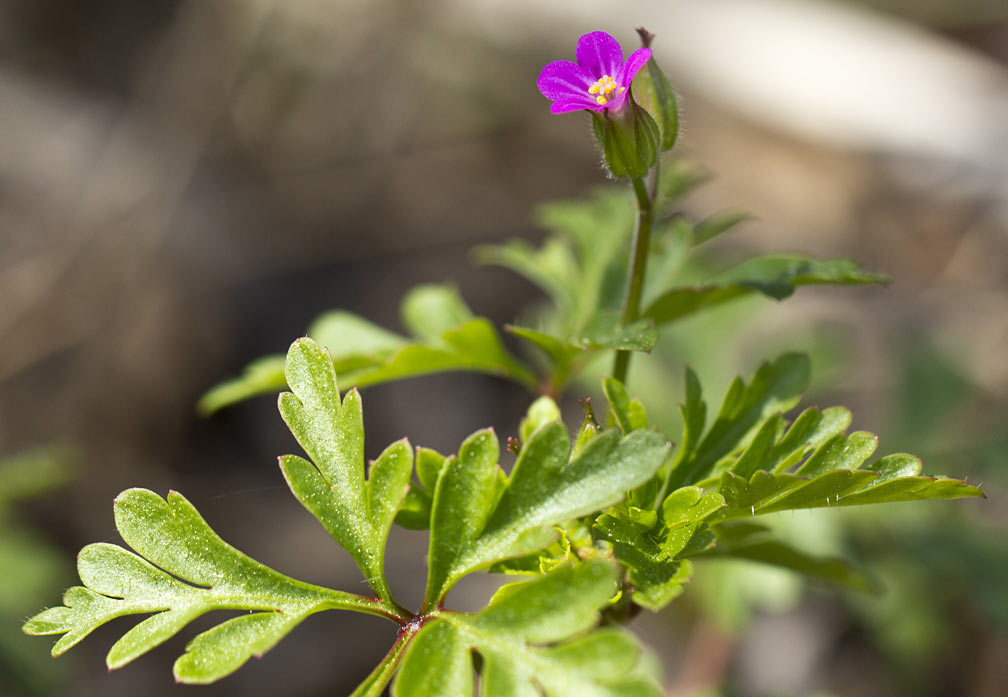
(628, 140)
(654, 92)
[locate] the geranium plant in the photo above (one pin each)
(603, 522)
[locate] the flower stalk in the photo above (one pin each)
(638, 266)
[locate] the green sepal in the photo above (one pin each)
(628, 141)
(535, 637)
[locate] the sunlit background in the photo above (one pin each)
(185, 185)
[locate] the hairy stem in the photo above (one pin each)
(638, 265)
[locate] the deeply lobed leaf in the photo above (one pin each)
(775, 277)
(479, 517)
(531, 640)
(776, 387)
(891, 479)
(181, 570)
(358, 513)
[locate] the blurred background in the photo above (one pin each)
(184, 186)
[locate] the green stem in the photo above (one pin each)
(374, 684)
(341, 600)
(396, 611)
(638, 265)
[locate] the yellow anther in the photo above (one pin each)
(604, 88)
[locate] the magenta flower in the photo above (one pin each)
(599, 81)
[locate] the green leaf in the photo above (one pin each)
(777, 450)
(671, 243)
(657, 577)
(776, 387)
(753, 542)
(530, 640)
(541, 412)
(562, 356)
(473, 346)
(653, 547)
(629, 413)
(181, 570)
(890, 479)
(553, 267)
(428, 311)
(582, 268)
(773, 276)
(678, 177)
(261, 376)
(603, 331)
(415, 511)
(709, 228)
(474, 524)
(353, 342)
(357, 513)
(448, 338)
(33, 472)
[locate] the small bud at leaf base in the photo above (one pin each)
(542, 411)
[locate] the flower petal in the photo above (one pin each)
(599, 54)
(562, 106)
(563, 80)
(615, 104)
(633, 64)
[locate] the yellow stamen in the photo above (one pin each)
(604, 88)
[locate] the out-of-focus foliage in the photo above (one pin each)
(30, 567)
(581, 269)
